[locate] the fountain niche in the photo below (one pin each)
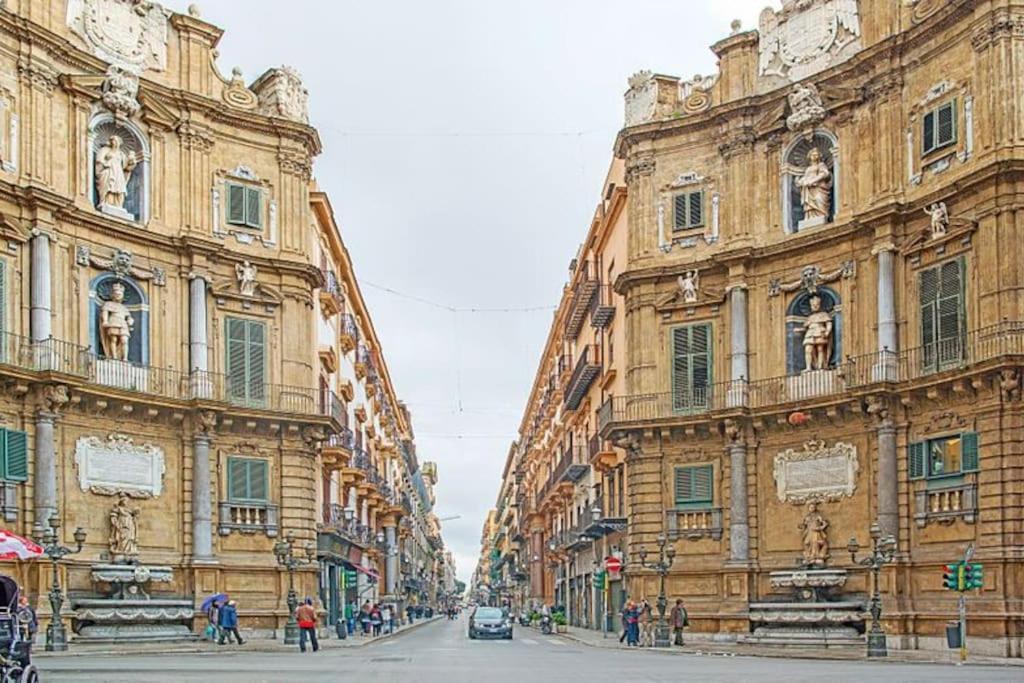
(808, 608)
(123, 609)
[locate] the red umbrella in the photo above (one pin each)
(14, 547)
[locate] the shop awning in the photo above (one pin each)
(373, 574)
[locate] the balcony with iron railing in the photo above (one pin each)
(937, 362)
(332, 298)
(602, 307)
(587, 369)
(585, 286)
(348, 334)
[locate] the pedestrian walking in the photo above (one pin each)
(631, 615)
(622, 618)
(350, 616)
(679, 620)
(646, 621)
(385, 617)
(364, 618)
(227, 620)
(305, 614)
(27, 621)
(376, 621)
(409, 611)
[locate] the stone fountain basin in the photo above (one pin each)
(840, 612)
(133, 610)
(131, 573)
(808, 578)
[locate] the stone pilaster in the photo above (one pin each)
(45, 482)
(739, 519)
(202, 504)
(391, 538)
(40, 293)
(197, 332)
(886, 475)
(887, 333)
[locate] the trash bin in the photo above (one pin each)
(953, 635)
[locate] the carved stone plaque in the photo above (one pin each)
(816, 472)
(117, 465)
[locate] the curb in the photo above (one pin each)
(260, 646)
(787, 654)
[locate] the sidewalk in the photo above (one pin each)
(703, 648)
(252, 644)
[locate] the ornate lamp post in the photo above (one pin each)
(882, 550)
(667, 554)
(285, 553)
(56, 634)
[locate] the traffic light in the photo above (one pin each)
(974, 577)
(951, 576)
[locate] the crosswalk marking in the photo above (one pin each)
(555, 642)
(528, 641)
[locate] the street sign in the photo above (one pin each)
(613, 564)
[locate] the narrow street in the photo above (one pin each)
(442, 652)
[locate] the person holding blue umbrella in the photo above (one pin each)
(211, 608)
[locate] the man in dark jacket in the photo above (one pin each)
(228, 622)
(678, 619)
(305, 614)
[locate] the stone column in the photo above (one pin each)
(391, 538)
(197, 333)
(45, 482)
(40, 295)
(888, 343)
(202, 511)
(739, 524)
(888, 483)
(738, 346)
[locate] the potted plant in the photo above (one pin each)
(558, 618)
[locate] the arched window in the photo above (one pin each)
(810, 181)
(119, 168)
(127, 307)
(814, 331)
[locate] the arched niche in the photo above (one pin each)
(104, 162)
(795, 161)
(798, 318)
(135, 301)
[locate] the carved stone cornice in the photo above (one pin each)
(739, 142)
(52, 398)
(37, 75)
(1002, 24)
(638, 168)
(296, 164)
(196, 137)
(206, 423)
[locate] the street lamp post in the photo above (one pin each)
(56, 634)
(882, 550)
(285, 553)
(667, 554)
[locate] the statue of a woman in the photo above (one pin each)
(114, 166)
(124, 533)
(815, 537)
(815, 187)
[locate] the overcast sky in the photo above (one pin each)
(465, 142)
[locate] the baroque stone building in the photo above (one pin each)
(821, 306)
(175, 324)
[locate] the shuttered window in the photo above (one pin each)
(944, 457)
(693, 485)
(688, 209)
(246, 361)
(245, 206)
(691, 367)
(939, 127)
(942, 315)
(247, 480)
(14, 455)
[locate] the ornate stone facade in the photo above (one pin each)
(161, 328)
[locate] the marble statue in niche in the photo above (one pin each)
(246, 274)
(815, 188)
(124, 531)
(815, 537)
(689, 284)
(116, 324)
(114, 166)
(939, 215)
(817, 336)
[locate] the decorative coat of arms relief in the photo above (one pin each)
(807, 36)
(641, 98)
(131, 34)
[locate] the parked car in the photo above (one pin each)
(490, 622)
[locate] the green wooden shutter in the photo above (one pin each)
(693, 485)
(236, 204)
(928, 133)
(916, 459)
(256, 361)
(15, 455)
(253, 207)
(237, 479)
(928, 296)
(691, 366)
(969, 452)
(696, 202)
(258, 480)
(236, 358)
(950, 312)
(681, 202)
(945, 133)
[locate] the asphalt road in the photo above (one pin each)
(441, 652)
